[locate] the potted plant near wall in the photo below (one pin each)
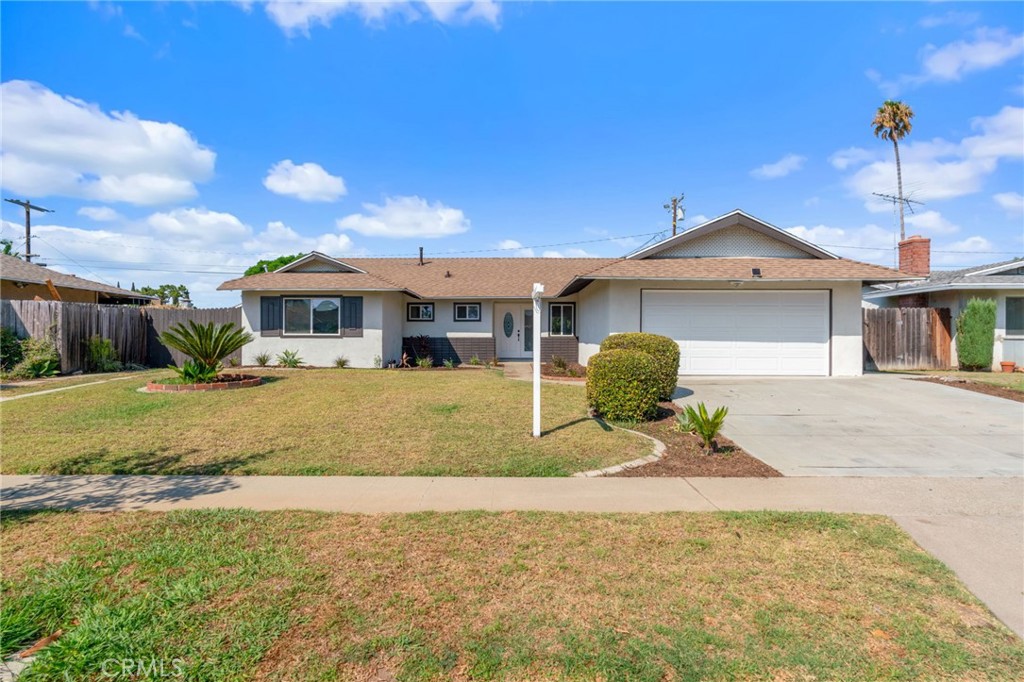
(1008, 366)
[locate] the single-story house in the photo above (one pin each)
(24, 281)
(740, 296)
(952, 289)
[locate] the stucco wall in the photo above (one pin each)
(321, 351)
(620, 303)
(956, 301)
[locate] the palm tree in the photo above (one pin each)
(892, 122)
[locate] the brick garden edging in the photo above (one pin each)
(154, 387)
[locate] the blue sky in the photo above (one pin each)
(181, 142)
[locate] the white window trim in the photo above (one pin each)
(467, 305)
(410, 318)
(312, 305)
(551, 309)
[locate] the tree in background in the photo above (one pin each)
(271, 265)
(975, 334)
(167, 293)
(8, 248)
(892, 122)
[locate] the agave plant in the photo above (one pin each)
(207, 345)
(704, 425)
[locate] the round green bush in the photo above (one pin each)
(664, 350)
(10, 349)
(623, 385)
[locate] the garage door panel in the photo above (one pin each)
(752, 333)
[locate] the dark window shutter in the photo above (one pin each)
(270, 315)
(352, 319)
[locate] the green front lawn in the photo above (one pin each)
(236, 595)
(315, 422)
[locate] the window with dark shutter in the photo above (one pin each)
(353, 315)
(270, 315)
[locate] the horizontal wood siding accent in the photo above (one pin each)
(456, 349)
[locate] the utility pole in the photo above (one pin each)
(29, 207)
(675, 205)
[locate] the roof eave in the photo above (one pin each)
(945, 286)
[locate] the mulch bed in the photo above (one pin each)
(573, 370)
(684, 456)
(978, 387)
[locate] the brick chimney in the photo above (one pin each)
(916, 256)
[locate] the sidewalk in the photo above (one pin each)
(974, 525)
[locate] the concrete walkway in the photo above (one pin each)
(974, 525)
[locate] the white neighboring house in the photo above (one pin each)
(740, 297)
(1003, 282)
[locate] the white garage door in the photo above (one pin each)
(743, 332)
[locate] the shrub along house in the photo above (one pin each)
(737, 294)
(1001, 282)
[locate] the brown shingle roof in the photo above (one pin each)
(514, 277)
(17, 270)
(310, 281)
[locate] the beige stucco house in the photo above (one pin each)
(740, 297)
(22, 281)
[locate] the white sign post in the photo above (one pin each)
(538, 289)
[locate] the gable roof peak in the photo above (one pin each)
(736, 217)
(322, 257)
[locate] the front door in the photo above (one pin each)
(513, 330)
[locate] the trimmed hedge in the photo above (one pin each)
(623, 385)
(975, 334)
(664, 350)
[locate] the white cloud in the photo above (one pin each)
(516, 247)
(789, 163)
(868, 243)
(1011, 202)
(970, 251)
(194, 246)
(698, 219)
(307, 181)
(569, 253)
(101, 214)
(812, 201)
(297, 17)
(936, 169)
(851, 156)
(198, 225)
(401, 217)
(131, 32)
(930, 222)
(950, 18)
(987, 48)
(58, 145)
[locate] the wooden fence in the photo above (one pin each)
(133, 331)
(907, 338)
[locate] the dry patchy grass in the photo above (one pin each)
(514, 596)
(10, 387)
(314, 422)
(1011, 380)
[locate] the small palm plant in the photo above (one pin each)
(207, 345)
(704, 425)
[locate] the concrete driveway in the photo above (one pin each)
(874, 425)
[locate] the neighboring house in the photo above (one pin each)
(952, 289)
(24, 281)
(739, 295)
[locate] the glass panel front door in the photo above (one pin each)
(528, 330)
